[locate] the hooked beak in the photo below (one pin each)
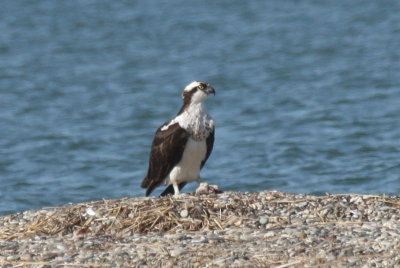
(211, 90)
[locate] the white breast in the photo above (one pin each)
(189, 167)
(195, 120)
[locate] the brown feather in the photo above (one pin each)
(166, 151)
(210, 145)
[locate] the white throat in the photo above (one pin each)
(196, 109)
(195, 120)
(198, 97)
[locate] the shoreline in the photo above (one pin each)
(235, 229)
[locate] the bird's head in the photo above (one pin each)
(197, 92)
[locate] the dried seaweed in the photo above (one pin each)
(143, 215)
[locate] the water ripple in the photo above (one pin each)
(307, 95)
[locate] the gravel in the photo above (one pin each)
(232, 229)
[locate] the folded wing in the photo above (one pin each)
(166, 151)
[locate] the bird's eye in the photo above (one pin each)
(201, 87)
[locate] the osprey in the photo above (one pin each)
(182, 145)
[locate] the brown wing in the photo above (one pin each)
(210, 145)
(166, 152)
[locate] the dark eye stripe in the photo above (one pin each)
(202, 86)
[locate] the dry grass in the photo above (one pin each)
(135, 215)
(143, 215)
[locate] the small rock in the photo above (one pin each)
(263, 220)
(301, 235)
(301, 204)
(269, 234)
(184, 213)
(49, 255)
(353, 260)
(90, 212)
(12, 258)
(176, 252)
(26, 257)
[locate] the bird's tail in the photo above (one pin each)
(145, 183)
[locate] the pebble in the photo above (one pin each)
(269, 234)
(184, 213)
(263, 220)
(176, 252)
(12, 258)
(26, 257)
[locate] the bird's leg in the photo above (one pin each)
(176, 189)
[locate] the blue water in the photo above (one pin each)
(308, 94)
